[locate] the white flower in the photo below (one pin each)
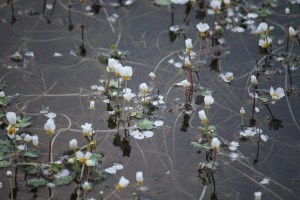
(8, 173)
(292, 32)
(86, 186)
(208, 100)
(262, 27)
(265, 43)
(62, 173)
(92, 105)
(158, 123)
(73, 144)
(50, 185)
(128, 96)
(278, 94)
(215, 5)
(35, 141)
(83, 158)
(187, 62)
(90, 163)
(252, 15)
(265, 181)
(11, 118)
(287, 11)
(202, 116)
(123, 182)
(238, 29)
(174, 29)
(202, 28)
(264, 138)
(148, 134)
(50, 126)
(144, 88)
(50, 115)
(188, 45)
(227, 2)
(126, 72)
(215, 143)
(234, 156)
(254, 80)
(118, 166)
(112, 63)
(21, 147)
(242, 111)
(185, 83)
(111, 170)
(87, 129)
(227, 77)
(27, 138)
(257, 110)
(233, 145)
(2, 94)
(257, 195)
(179, 1)
(152, 75)
(250, 132)
(139, 178)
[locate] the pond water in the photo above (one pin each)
(60, 74)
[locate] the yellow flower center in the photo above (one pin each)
(202, 34)
(275, 96)
(119, 187)
(204, 121)
(126, 78)
(83, 160)
(11, 130)
(265, 44)
(50, 133)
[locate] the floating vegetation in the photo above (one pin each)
(162, 99)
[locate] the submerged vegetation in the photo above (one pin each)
(228, 69)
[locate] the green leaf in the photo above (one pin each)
(206, 93)
(204, 146)
(55, 167)
(6, 146)
(4, 164)
(1, 155)
(113, 84)
(145, 124)
(31, 154)
(2, 114)
(76, 166)
(4, 101)
(63, 180)
(23, 122)
(210, 165)
(37, 182)
(163, 2)
(264, 99)
(31, 169)
(137, 114)
(96, 158)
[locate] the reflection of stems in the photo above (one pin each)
(11, 189)
(13, 18)
(214, 182)
(107, 83)
(16, 147)
(214, 159)
(214, 30)
(139, 194)
(44, 7)
(118, 97)
(124, 102)
(288, 65)
(188, 16)
(191, 79)
(254, 101)
(111, 194)
(257, 152)
(288, 35)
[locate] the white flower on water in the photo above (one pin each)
(257, 110)
(87, 129)
(208, 100)
(139, 178)
(265, 181)
(50, 115)
(265, 43)
(262, 28)
(158, 123)
(35, 141)
(242, 111)
(238, 29)
(215, 143)
(202, 28)
(264, 138)
(83, 158)
(227, 2)
(234, 156)
(50, 126)
(11, 118)
(215, 5)
(152, 75)
(126, 72)
(287, 11)
(184, 83)
(250, 132)
(227, 77)
(2, 94)
(112, 63)
(257, 195)
(252, 15)
(27, 138)
(92, 105)
(276, 94)
(233, 145)
(254, 80)
(62, 173)
(188, 45)
(128, 96)
(123, 182)
(174, 28)
(292, 32)
(8, 173)
(73, 144)
(202, 116)
(144, 88)
(113, 169)
(148, 134)
(86, 186)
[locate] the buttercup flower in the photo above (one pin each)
(215, 143)
(92, 105)
(233, 145)
(112, 63)
(250, 132)
(257, 195)
(227, 3)
(227, 77)
(139, 178)
(73, 144)
(292, 32)
(86, 186)
(152, 76)
(242, 111)
(202, 28)
(188, 45)
(202, 117)
(144, 88)
(208, 100)
(123, 182)
(185, 83)
(87, 129)
(126, 72)
(128, 96)
(215, 5)
(277, 94)
(50, 126)
(180, 1)
(265, 43)
(8, 173)
(262, 28)
(2, 94)
(287, 11)
(83, 158)
(11, 118)
(254, 80)
(35, 141)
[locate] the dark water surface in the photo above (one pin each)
(169, 163)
